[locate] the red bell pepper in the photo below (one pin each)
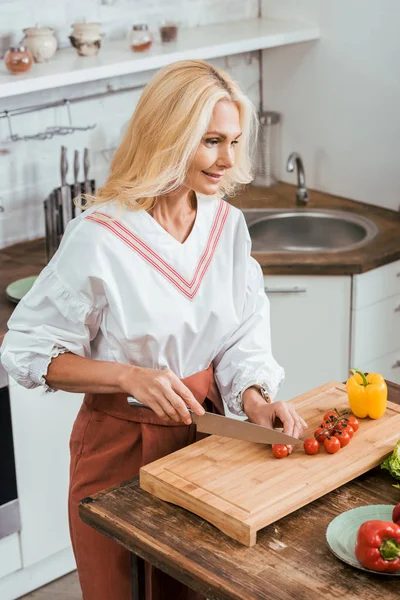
(378, 546)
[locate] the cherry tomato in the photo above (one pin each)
(280, 450)
(329, 414)
(345, 427)
(311, 446)
(344, 437)
(354, 423)
(396, 514)
(332, 445)
(321, 437)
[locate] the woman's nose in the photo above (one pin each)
(226, 158)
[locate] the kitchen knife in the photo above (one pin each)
(54, 216)
(65, 190)
(233, 428)
(59, 216)
(48, 230)
(86, 164)
(76, 186)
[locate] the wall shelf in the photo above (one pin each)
(115, 57)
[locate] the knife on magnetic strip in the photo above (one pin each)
(233, 428)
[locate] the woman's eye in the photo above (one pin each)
(213, 142)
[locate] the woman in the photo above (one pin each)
(153, 293)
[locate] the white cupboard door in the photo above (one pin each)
(42, 423)
(10, 555)
(376, 285)
(310, 329)
(388, 366)
(375, 330)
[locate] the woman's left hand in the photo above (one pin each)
(262, 413)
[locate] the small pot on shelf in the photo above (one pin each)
(41, 43)
(86, 38)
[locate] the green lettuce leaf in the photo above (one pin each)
(392, 463)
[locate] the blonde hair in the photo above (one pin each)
(165, 130)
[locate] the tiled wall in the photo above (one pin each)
(29, 170)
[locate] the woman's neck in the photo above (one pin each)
(175, 209)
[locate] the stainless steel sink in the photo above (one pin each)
(307, 230)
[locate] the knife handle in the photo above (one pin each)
(135, 403)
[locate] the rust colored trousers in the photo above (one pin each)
(110, 441)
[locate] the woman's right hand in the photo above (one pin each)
(162, 391)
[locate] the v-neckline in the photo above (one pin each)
(154, 253)
(169, 235)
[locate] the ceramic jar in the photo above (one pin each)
(18, 59)
(86, 38)
(41, 43)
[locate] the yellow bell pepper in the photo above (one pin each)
(367, 394)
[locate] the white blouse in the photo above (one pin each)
(121, 288)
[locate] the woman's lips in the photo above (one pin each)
(214, 178)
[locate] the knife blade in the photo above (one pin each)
(86, 165)
(52, 203)
(76, 186)
(65, 190)
(48, 230)
(233, 428)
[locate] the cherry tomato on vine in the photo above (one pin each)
(345, 427)
(280, 450)
(311, 446)
(354, 423)
(332, 445)
(321, 437)
(344, 437)
(330, 413)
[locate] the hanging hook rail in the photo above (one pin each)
(59, 130)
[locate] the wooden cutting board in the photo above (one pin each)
(240, 487)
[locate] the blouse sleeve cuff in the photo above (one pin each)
(270, 381)
(39, 366)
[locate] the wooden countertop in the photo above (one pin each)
(17, 262)
(290, 560)
(28, 258)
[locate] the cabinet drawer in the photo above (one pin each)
(376, 285)
(388, 366)
(375, 330)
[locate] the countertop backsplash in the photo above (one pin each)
(29, 170)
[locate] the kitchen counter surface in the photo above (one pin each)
(28, 258)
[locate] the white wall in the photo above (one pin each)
(30, 170)
(340, 96)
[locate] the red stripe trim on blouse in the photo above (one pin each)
(188, 288)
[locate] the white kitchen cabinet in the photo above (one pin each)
(375, 335)
(376, 330)
(42, 424)
(376, 285)
(388, 366)
(10, 555)
(310, 329)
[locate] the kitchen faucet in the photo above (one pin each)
(301, 193)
